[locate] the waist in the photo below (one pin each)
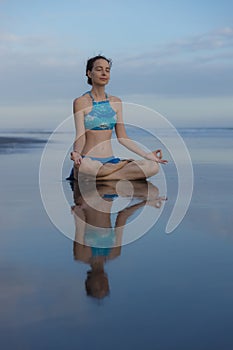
(98, 144)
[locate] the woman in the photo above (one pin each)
(95, 115)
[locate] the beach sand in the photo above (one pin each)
(166, 291)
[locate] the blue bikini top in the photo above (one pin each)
(101, 117)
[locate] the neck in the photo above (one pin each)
(98, 92)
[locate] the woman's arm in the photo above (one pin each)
(80, 139)
(130, 144)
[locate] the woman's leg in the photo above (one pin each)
(95, 169)
(134, 170)
(124, 170)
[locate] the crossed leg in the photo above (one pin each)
(134, 170)
(124, 170)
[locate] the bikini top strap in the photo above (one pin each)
(93, 100)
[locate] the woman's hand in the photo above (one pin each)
(156, 156)
(76, 157)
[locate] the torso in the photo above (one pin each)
(99, 121)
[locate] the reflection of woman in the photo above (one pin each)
(97, 239)
(97, 280)
(96, 114)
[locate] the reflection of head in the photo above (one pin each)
(97, 284)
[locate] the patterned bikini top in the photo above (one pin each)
(101, 117)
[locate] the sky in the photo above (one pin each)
(175, 57)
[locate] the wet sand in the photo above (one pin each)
(166, 292)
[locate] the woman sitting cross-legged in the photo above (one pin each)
(96, 114)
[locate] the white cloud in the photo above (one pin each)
(8, 37)
(12, 40)
(222, 37)
(194, 66)
(194, 46)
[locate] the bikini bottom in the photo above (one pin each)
(111, 159)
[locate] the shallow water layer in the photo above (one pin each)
(164, 291)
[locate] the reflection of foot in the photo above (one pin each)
(157, 202)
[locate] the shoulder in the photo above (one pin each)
(82, 99)
(116, 103)
(81, 102)
(114, 99)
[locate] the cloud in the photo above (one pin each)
(193, 46)
(176, 79)
(37, 68)
(13, 41)
(207, 41)
(8, 37)
(201, 65)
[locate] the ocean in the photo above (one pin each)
(151, 289)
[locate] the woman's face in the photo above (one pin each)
(100, 73)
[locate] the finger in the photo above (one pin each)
(159, 153)
(162, 161)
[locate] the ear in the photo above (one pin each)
(89, 74)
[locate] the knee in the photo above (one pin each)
(154, 168)
(151, 168)
(89, 166)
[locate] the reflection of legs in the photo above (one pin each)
(135, 170)
(142, 190)
(139, 189)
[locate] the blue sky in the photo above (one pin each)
(173, 56)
